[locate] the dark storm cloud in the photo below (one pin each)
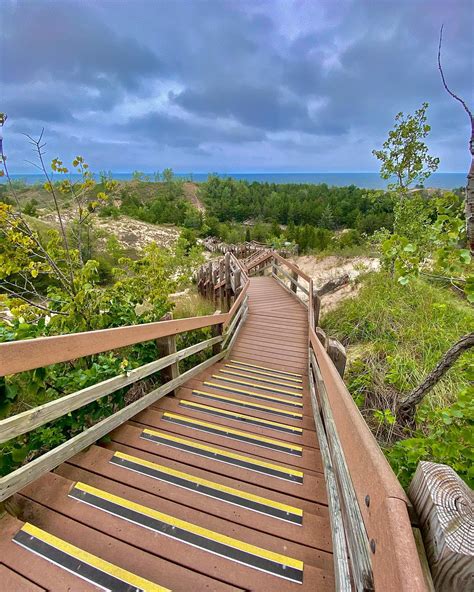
(65, 41)
(226, 85)
(177, 132)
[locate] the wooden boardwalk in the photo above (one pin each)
(219, 487)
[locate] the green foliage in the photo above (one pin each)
(396, 335)
(52, 284)
(447, 437)
(30, 208)
(404, 154)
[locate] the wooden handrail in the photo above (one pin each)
(383, 504)
(48, 351)
(19, 478)
(28, 354)
(19, 424)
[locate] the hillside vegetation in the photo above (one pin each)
(395, 335)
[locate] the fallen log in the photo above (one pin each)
(333, 285)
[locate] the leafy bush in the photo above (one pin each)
(446, 436)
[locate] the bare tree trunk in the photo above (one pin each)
(407, 408)
(469, 206)
(470, 201)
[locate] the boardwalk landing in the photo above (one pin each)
(220, 487)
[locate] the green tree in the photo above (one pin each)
(429, 235)
(404, 154)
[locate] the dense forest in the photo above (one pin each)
(317, 205)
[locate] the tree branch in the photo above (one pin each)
(31, 302)
(448, 90)
(407, 408)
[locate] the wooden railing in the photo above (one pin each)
(372, 538)
(20, 356)
(373, 543)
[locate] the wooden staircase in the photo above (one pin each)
(221, 484)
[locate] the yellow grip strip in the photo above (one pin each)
(193, 528)
(265, 380)
(251, 393)
(266, 368)
(277, 390)
(211, 484)
(262, 372)
(231, 400)
(231, 414)
(227, 430)
(93, 560)
(225, 453)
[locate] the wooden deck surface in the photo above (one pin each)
(217, 488)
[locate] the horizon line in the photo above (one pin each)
(249, 172)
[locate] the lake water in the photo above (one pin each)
(364, 180)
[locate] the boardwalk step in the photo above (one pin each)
(273, 425)
(221, 455)
(209, 488)
(81, 563)
(247, 437)
(245, 375)
(234, 389)
(270, 370)
(249, 404)
(191, 534)
(263, 387)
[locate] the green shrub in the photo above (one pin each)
(395, 336)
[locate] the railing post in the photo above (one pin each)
(165, 347)
(293, 286)
(228, 285)
(238, 282)
(443, 503)
(316, 308)
(274, 266)
(210, 287)
(215, 331)
(321, 335)
(222, 286)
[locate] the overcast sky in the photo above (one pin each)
(231, 85)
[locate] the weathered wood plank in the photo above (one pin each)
(33, 418)
(357, 542)
(28, 354)
(340, 553)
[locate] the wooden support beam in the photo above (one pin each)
(356, 535)
(337, 353)
(316, 308)
(294, 283)
(445, 507)
(228, 286)
(342, 574)
(165, 347)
